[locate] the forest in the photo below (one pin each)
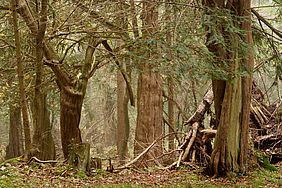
(141, 93)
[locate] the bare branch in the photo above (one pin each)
(261, 18)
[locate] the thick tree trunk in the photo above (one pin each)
(71, 105)
(149, 116)
(232, 97)
(15, 146)
(149, 103)
(224, 158)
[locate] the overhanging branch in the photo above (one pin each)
(261, 18)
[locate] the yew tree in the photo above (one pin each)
(229, 39)
(149, 97)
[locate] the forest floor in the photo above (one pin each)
(16, 173)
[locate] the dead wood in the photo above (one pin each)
(127, 165)
(41, 161)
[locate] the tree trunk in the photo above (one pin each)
(71, 104)
(79, 156)
(42, 137)
(247, 81)
(122, 118)
(15, 146)
(72, 90)
(122, 130)
(232, 97)
(149, 103)
(109, 119)
(23, 103)
(149, 116)
(171, 120)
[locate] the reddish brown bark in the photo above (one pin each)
(232, 97)
(149, 101)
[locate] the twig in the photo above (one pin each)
(276, 31)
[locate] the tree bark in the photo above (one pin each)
(72, 90)
(15, 146)
(20, 71)
(122, 118)
(149, 116)
(42, 137)
(232, 97)
(248, 62)
(122, 131)
(149, 103)
(109, 119)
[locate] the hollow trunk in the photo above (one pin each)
(15, 146)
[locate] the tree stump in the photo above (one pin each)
(79, 156)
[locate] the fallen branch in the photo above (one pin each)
(198, 116)
(41, 161)
(191, 142)
(143, 153)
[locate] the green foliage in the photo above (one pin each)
(265, 162)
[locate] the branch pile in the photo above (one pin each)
(266, 126)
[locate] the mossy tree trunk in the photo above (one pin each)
(232, 96)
